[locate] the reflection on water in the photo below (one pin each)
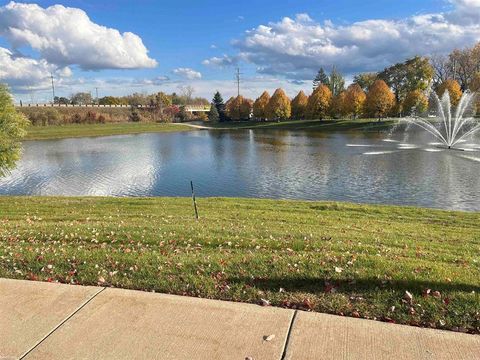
(270, 164)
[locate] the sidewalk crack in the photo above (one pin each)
(289, 333)
(61, 323)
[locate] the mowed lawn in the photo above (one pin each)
(87, 130)
(339, 258)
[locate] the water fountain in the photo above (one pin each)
(449, 126)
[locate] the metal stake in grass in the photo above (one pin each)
(194, 201)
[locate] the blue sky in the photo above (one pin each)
(184, 35)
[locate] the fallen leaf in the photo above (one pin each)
(408, 296)
(264, 302)
(269, 337)
(338, 269)
(437, 294)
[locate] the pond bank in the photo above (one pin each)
(340, 258)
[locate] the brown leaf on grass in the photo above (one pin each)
(437, 294)
(426, 292)
(408, 297)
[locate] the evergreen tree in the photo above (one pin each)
(213, 115)
(220, 105)
(321, 79)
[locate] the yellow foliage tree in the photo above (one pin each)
(260, 106)
(319, 103)
(416, 102)
(239, 108)
(453, 88)
(337, 107)
(355, 100)
(279, 106)
(299, 106)
(380, 99)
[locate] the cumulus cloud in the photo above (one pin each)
(66, 36)
(23, 73)
(297, 47)
(187, 73)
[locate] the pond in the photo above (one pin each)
(355, 167)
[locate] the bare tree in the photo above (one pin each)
(442, 69)
(187, 92)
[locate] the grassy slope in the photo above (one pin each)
(81, 130)
(338, 258)
(318, 125)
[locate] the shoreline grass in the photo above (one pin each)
(339, 258)
(317, 125)
(95, 130)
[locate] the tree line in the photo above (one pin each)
(399, 90)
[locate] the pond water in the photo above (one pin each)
(354, 167)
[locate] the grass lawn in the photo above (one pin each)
(339, 258)
(317, 125)
(82, 130)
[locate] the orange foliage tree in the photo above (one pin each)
(380, 99)
(453, 88)
(279, 106)
(337, 107)
(319, 103)
(299, 106)
(416, 102)
(239, 108)
(260, 106)
(355, 100)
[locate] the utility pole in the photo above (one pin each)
(237, 76)
(53, 89)
(96, 93)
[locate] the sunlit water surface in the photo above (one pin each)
(355, 167)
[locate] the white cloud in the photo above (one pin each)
(223, 61)
(23, 73)
(297, 47)
(187, 73)
(66, 36)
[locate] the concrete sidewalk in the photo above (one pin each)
(54, 321)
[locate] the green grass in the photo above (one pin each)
(86, 130)
(346, 259)
(317, 125)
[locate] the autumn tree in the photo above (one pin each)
(299, 106)
(453, 88)
(279, 106)
(365, 80)
(12, 129)
(415, 103)
(319, 103)
(239, 108)
(355, 100)
(321, 79)
(260, 106)
(337, 106)
(380, 99)
(413, 74)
